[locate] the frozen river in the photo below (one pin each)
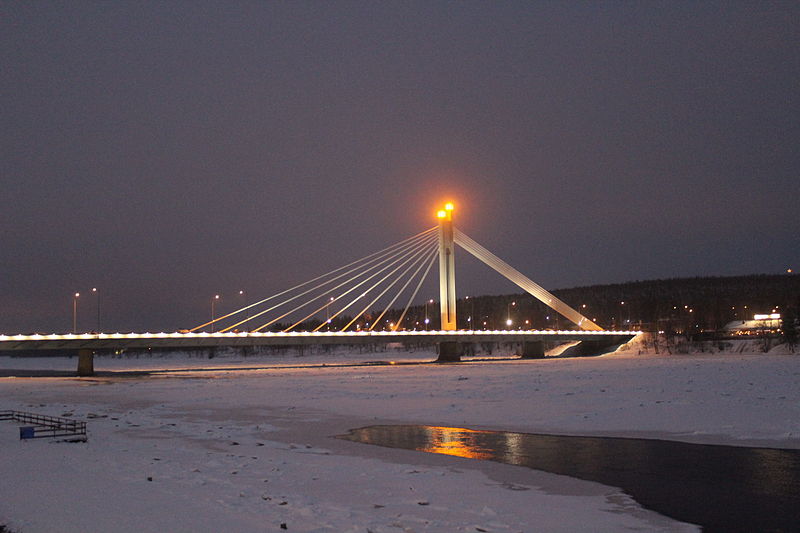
(721, 488)
(250, 450)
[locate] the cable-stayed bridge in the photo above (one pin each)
(339, 307)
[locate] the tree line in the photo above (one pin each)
(678, 305)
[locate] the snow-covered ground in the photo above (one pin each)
(228, 449)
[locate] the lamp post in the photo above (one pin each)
(427, 320)
(243, 301)
(75, 312)
(621, 309)
(508, 314)
(328, 312)
(585, 312)
(97, 304)
(213, 302)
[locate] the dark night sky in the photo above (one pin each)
(167, 151)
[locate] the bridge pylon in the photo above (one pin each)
(447, 268)
(449, 351)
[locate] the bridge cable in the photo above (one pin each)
(419, 256)
(414, 294)
(364, 260)
(407, 257)
(358, 297)
(395, 245)
(516, 277)
(391, 257)
(421, 263)
(361, 263)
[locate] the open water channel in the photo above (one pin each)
(720, 488)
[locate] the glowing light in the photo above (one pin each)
(456, 441)
(448, 206)
(441, 214)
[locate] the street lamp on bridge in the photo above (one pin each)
(97, 304)
(427, 320)
(508, 313)
(213, 303)
(75, 312)
(243, 302)
(328, 312)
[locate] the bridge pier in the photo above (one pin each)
(533, 350)
(449, 352)
(85, 362)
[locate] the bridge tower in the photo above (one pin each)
(447, 269)
(449, 351)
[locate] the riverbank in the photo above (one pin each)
(251, 450)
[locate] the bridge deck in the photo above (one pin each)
(118, 341)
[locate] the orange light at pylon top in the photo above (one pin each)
(447, 212)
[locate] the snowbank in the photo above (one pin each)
(234, 450)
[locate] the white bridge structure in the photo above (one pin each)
(350, 293)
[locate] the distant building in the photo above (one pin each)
(759, 325)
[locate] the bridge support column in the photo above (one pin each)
(449, 352)
(533, 350)
(85, 362)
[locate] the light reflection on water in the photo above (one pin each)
(461, 443)
(722, 488)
